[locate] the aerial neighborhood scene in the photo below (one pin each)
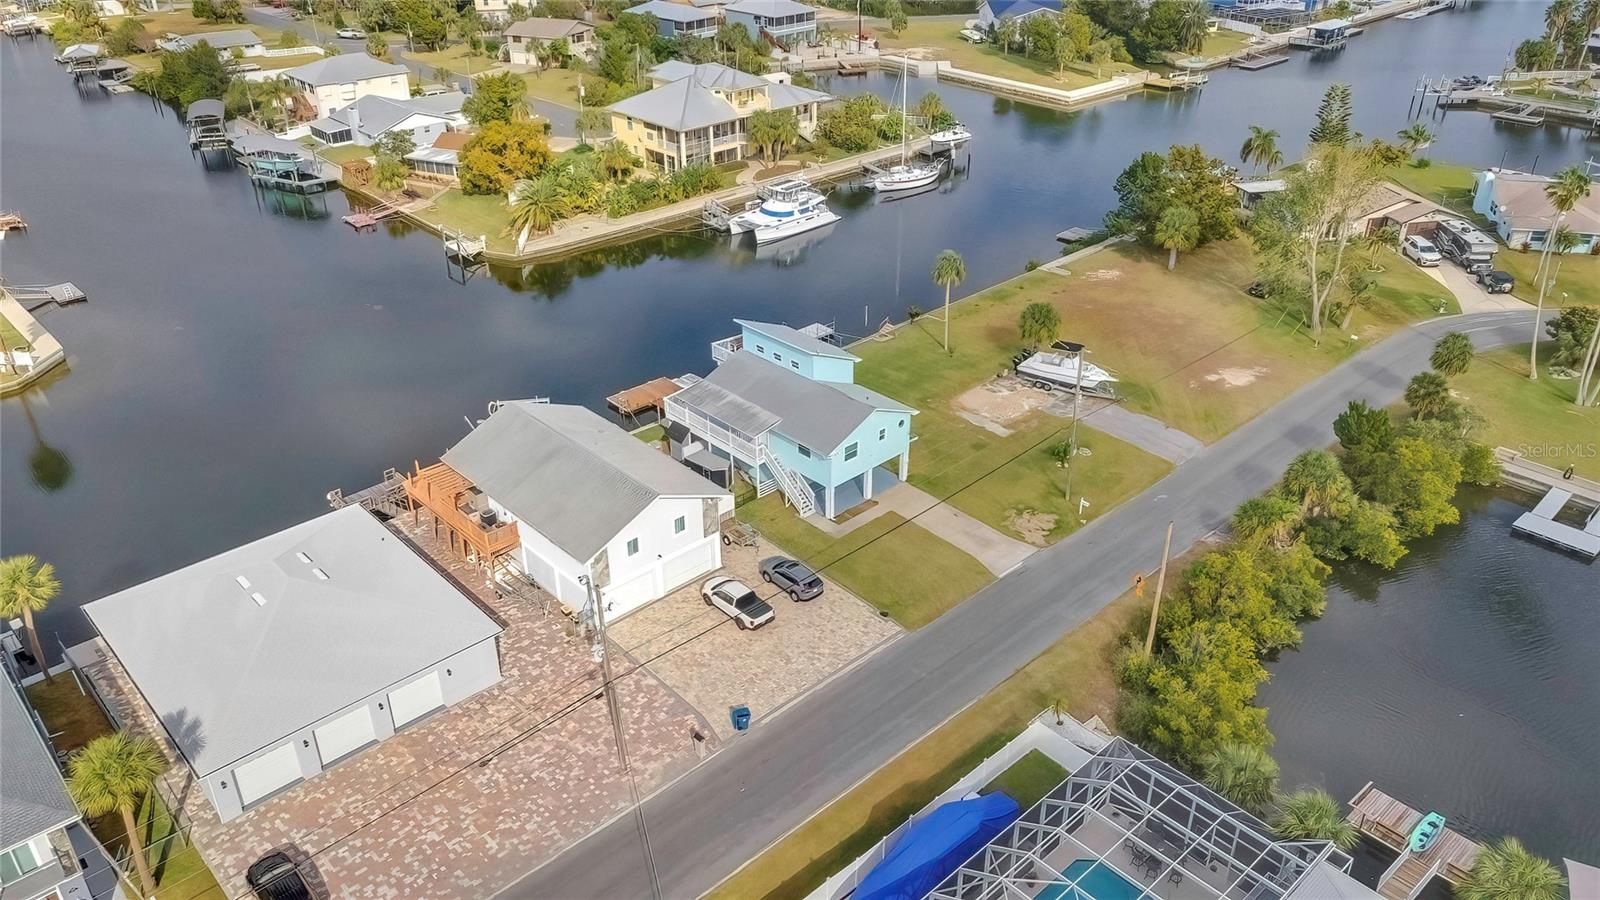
(801, 449)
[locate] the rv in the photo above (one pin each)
(1470, 248)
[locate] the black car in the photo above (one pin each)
(276, 877)
(792, 576)
(1496, 281)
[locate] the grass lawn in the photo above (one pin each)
(483, 214)
(1028, 779)
(1075, 670)
(10, 337)
(343, 154)
(1218, 43)
(559, 86)
(74, 719)
(940, 40)
(457, 58)
(897, 566)
(651, 435)
(1444, 183)
(1530, 416)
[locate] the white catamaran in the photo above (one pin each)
(908, 175)
(785, 208)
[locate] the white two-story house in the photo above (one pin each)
(591, 501)
(338, 81)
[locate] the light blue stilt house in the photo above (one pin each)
(783, 407)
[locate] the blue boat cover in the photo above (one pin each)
(933, 848)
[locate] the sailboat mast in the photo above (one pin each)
(905, 75)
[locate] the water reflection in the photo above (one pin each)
(48, 466)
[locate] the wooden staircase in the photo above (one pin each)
(1405, 880)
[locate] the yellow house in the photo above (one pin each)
(700, 113)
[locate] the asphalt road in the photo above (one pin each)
(770, 780)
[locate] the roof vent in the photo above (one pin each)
(259, 598)
(321, 575)
(243, 581)
(303, 557)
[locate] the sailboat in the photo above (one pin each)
(908, 175)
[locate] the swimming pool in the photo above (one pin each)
(1097, 882)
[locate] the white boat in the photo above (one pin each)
(950, 138)
(1050, 369)
(785, 208)
(908, 175)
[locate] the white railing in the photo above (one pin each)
(292, 51)
(743, 448)
(721, 350)
(795, 487)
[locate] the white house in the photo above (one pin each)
(785, 21)
(589, 498)
(523, 39)
(339, 81)
(1522, 215)
(990, 12)
(371, 117)
(243, 40)
(495, 11)
(270, 662)
(679, 19)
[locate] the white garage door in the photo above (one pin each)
(344, 735)
(262, 776)
(687, 566)
(415, 700)
(625, 598)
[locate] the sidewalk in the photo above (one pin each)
(998, 553)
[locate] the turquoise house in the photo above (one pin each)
(783, 408)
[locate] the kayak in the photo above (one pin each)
(1426, 832)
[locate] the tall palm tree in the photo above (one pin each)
(1192, 22)
(1242, 773)
(1428, 394)
(1260, 149)
(1177, 229)
(1505, 870)
(949, 270)
(1415, 137)
(618, 160)
(536, 204)
(1317, 480)
(1556, 17)
(1452, 354)
(112, 774)
(1312, 815)
(26, 587)
(1570, 187)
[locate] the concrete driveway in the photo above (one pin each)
(714, 665)
(1468, 292)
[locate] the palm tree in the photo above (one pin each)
(1039, 324)
(618, 160)
(1260, 149)
(949, 270)
(112, 774)
(1570, 187)
(1317, 480)
(26, 587)
(1505, 870)
(536, 204)
(1415, 137)
(591, 119)
(1242, 773)
(1452, 354)
(1192, 22)
(1006, 33)
(1428, 394)
(1269, 519)
(1177, 229)
(1312, 815)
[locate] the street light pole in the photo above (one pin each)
(1077, 397)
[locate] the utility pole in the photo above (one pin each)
(1077, 397)
(614, 710)
(1161, 582)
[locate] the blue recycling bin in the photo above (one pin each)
(741, 717)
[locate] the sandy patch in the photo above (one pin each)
(1000, 401)
(1102, 275)
(1236, 376)
(918, 53)
(1031, 525)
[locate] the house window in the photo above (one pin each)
(794, 364)
(850, 450)
(777, 357)
(17, 862)
(678, 525)
(633, 546)
(760, 349)
(804, 450)
(902, 423)
(883, 433)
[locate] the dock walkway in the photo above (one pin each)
(1389, 822)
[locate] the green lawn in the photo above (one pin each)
(74, 719)
(897, 566)
(940, 39)
(1220, 42)
(1536, 417)
(345, 153)
(558, 86)
(1028, 779)
(651, 435)
(1076, 671)
(10, 337)
(457, 58)
(1444, 183)
(483, 214)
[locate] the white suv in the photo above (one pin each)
(1420, 250)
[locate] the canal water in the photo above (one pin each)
(241, 354)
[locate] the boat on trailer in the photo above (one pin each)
(1057, 368)
(783, 209)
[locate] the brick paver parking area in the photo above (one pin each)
(463, 803)
(703, 656)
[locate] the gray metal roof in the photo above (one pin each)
(770, 9)
(708, 75)
(753, 395)
(344, 68)
(375, 115)
(206, 107)
(224, 40)
(797, 339)
(250, 143)
(672, 12)
(543, 29)
(32, 797)
(569, 474)
(680, 106)
(788, 96)
(230, 673)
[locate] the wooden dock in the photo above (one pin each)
(652, 394)
(1389, 822)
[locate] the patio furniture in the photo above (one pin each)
(1175, 876)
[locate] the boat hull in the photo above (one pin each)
(818, 219)
(886, 184)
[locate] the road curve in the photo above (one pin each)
(767, 782)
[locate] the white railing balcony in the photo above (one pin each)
(741, 446)
(721, 350)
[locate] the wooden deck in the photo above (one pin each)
(1390, 821)
(652, 394)
(454, 503)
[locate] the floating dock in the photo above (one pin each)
(1389, 822)
(1541, 523)
(1260, 61)
(652, 394)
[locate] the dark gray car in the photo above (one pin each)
(793, 577)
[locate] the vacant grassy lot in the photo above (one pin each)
(457, 59)
(1028, 779)
(483, 214)
(345, 153)
(559, 86)
(940, 39)
(897, 566)
(10, 337)
(1075, 670)
(1536, 417)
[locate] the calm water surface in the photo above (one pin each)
(241, 355)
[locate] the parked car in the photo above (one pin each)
(973, 36)
(276, 877)
(739, 602)
(352, 34)
(1420, 250)
(1497, 282)
(792, 576)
